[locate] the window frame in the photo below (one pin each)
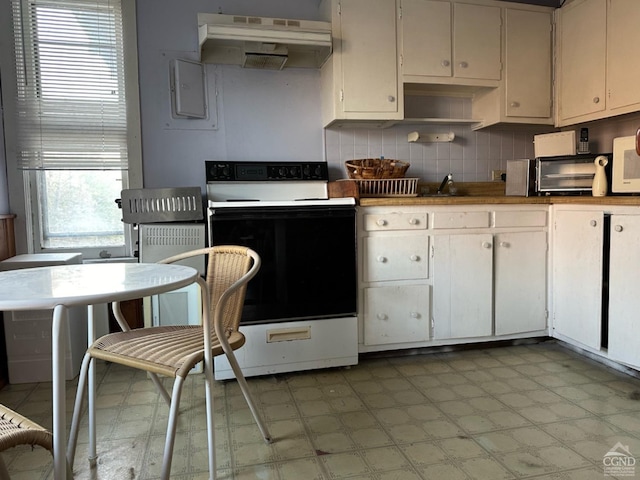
(23, 195)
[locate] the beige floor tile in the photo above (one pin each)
(488, 413)
(304, 468)
(484, 468)
(542, 460)
(344, 465)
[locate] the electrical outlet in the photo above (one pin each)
(497, 174)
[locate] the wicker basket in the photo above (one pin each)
(390, 187)
(376, 168)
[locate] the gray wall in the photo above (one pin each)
(258, 114)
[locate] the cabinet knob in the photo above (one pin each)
(382, 259)
(463, 64)
(445, 63)
(596, 99)
(381, 222)
(381, 316)
(593, 223)
(391, 98)
(618, 228)
(414, 258)
(414, 315)
(505, 244)
(413, 221)
(515, 104)
(486, 244)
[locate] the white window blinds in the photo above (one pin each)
(71, 105)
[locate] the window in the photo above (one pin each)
(73, 122)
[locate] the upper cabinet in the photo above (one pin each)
(385, 52)
(453, 43)
(595, 41)
(360, 79)
(525, 94)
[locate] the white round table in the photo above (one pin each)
(63, 286)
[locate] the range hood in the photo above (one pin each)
(260, 42)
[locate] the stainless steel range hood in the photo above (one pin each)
(260, 42)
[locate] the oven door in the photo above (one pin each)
(308, 259)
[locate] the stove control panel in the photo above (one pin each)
(265, 171)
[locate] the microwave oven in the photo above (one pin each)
(626, 166)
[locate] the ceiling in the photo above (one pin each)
(545, 3)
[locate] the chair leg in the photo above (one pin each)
(237, 371)
(211, 435)
(77, 408)
(160, 388)
(172, 425)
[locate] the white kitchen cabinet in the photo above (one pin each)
(582, 52)
(434, 275)
(577, 248)
(624, 290)
(525, 94)
(396, 314)
(520, 270)
(394, 296)
(623, 69)
(596, 39)
(360, 79)
(396, 257)
(462, 285)
(453, 43)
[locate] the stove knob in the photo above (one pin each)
(306, 171)
(282, 172)
(318, 171)
(294, 172)
(225, 171)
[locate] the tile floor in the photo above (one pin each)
(529, 411)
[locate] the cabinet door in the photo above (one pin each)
(368, 56)
(426, 38)
(476, 41)
(528, 64)
(520, 269)
(395, 257)
(582, 44)
(623, 39)
(462, 285)
(396, 314)
(577, 276)
(624, 291)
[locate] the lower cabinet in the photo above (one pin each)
(578, 238)
(396, 314)
(624, 290)
(488, 284)
(462, 285)
(596, 294)
(520, 282)
(451, 275)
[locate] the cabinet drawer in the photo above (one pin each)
(520, 219)
(442, 220)
(396, 257)
(396, 314)
(395, 221)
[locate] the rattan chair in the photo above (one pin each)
(17, 430)
(173, 351)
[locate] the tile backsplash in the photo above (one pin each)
(470, 157)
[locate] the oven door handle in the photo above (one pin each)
(258, 213)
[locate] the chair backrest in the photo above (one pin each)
(228, 267)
